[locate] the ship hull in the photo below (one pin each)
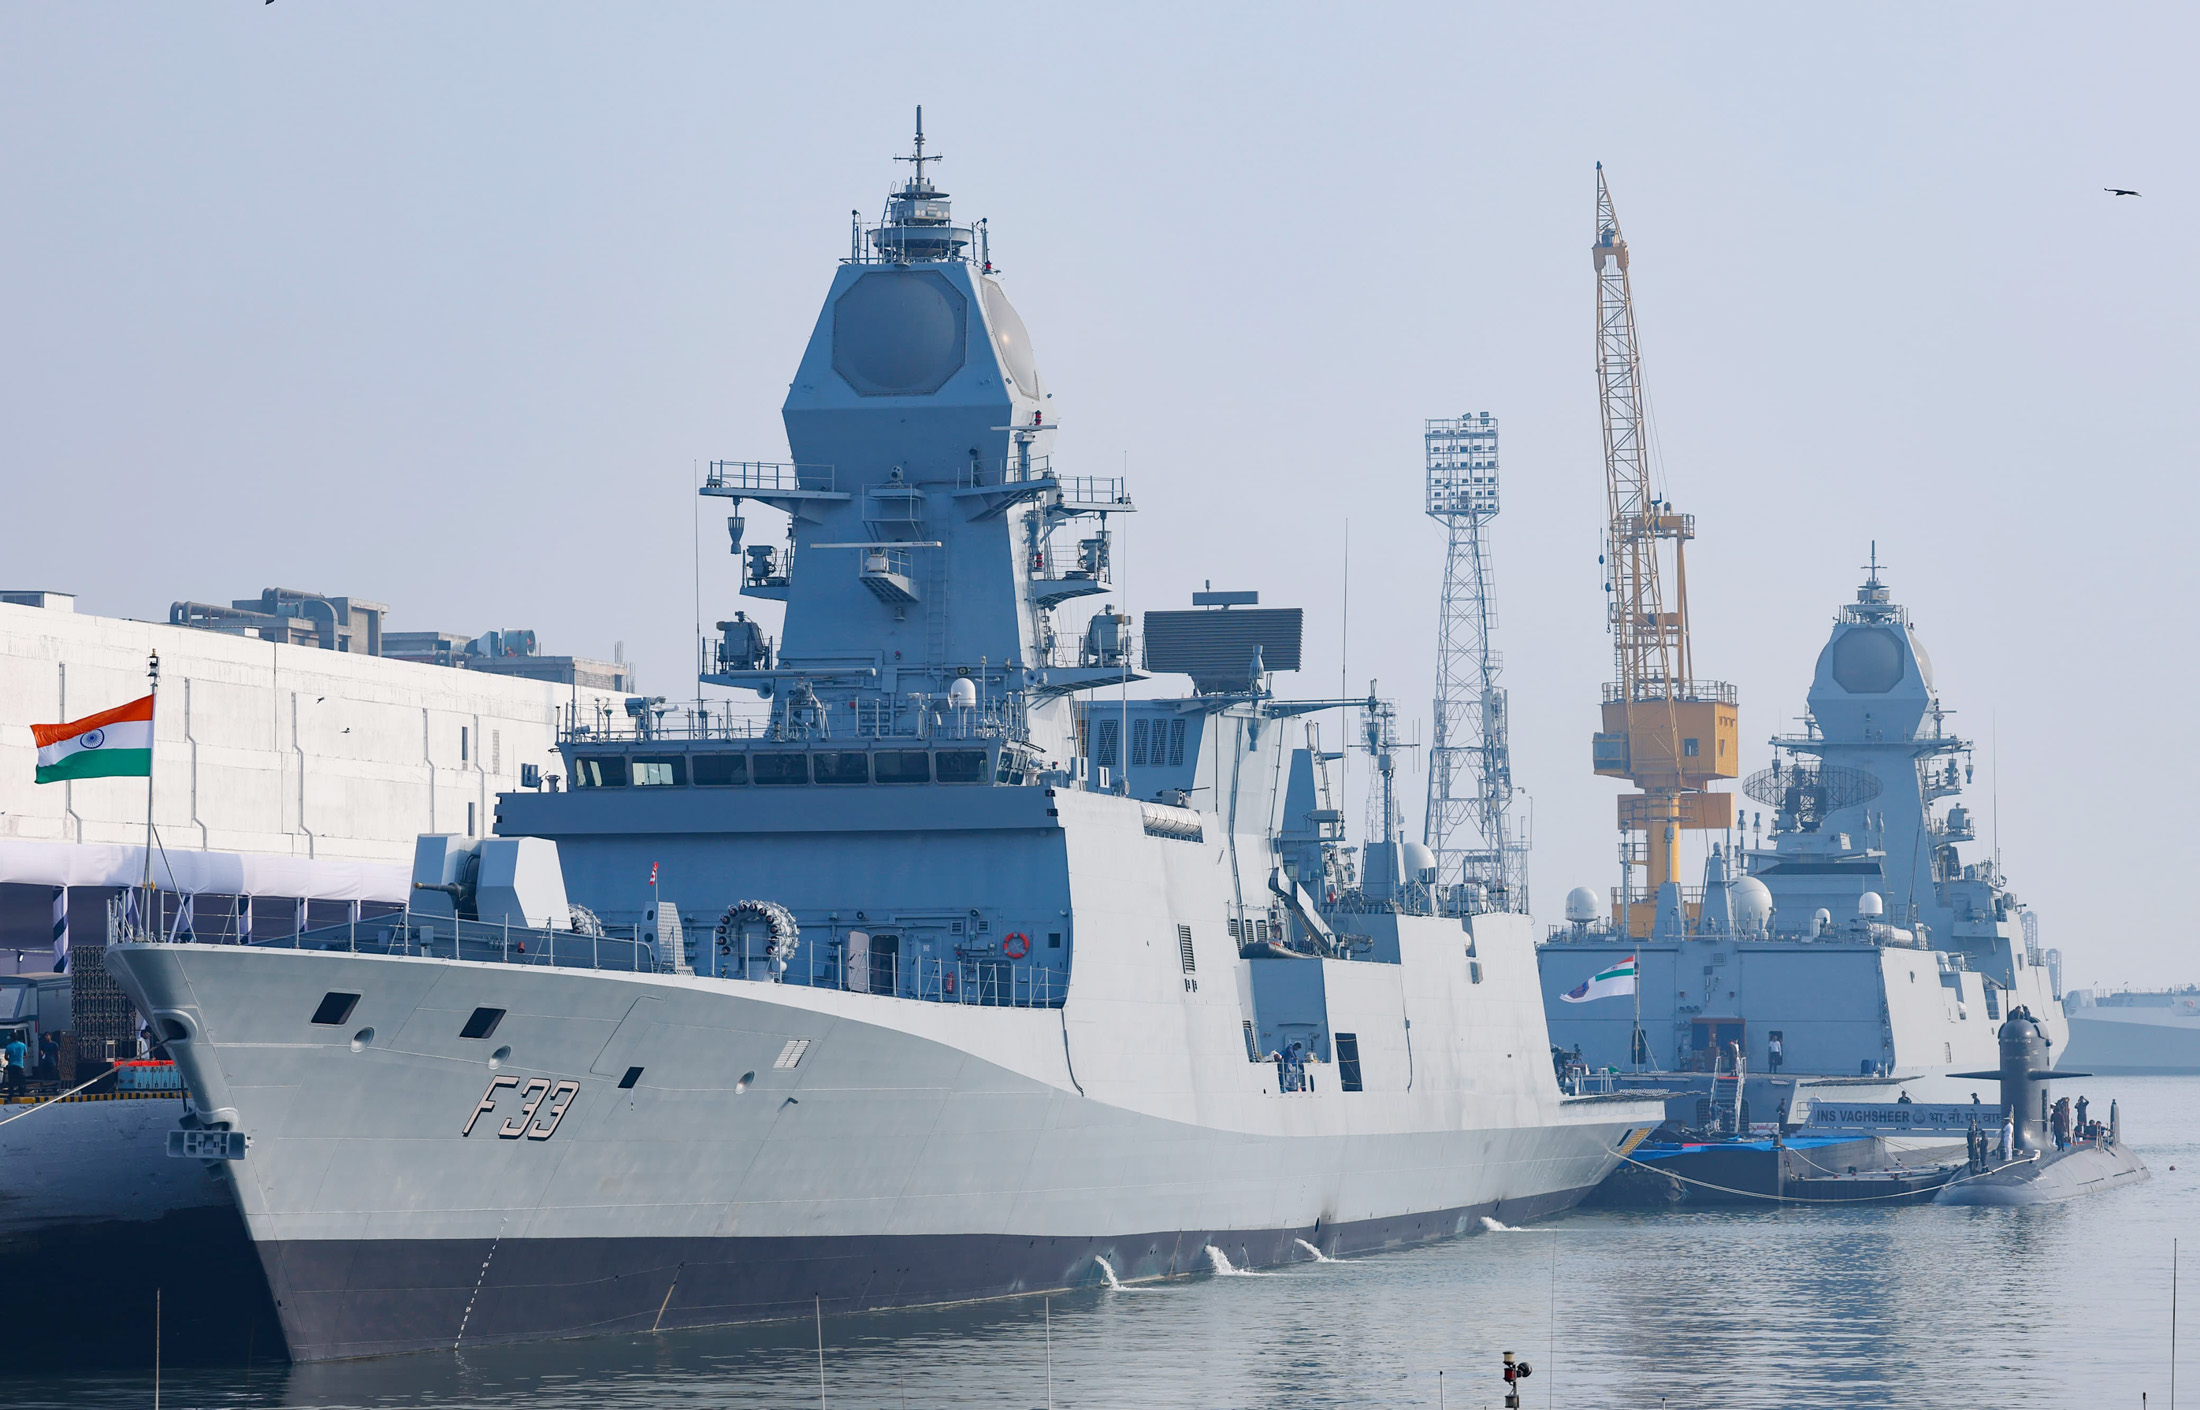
(369, 1297)
(910, 1153)
(2135, 1042)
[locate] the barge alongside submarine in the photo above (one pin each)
(957, 985)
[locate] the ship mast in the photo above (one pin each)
(1664, 731)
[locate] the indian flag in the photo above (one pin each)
(110, 743)
(1605, 984)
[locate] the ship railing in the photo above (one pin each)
(767, 476)
(978, 983)
(1097, 493)
(1653, 690)
(1589, 1084)
(1691, 898)
(927, 979)
(1016, 469)
(423, 935)
(883, 719)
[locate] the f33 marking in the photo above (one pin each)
(531, 1097)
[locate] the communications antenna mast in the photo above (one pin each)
(1468, 824)
(1665, 731)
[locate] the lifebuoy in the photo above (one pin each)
(1015, 945)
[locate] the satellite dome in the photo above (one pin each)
(1420, 863)
(1581, 905)
(1870, 904)
(961, 694)
(1751, 903)
(1821, 920)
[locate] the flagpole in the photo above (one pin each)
(1634, 1040)
(152, 673)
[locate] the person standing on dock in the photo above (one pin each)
(18, 1060)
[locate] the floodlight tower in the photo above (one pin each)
(1468, 824)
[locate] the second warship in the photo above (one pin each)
(1852, 952)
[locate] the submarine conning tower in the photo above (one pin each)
(931, 538)
(2027, 1056)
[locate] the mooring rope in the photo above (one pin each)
(1801, 1199)
(55, 1100)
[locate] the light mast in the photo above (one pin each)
(1468, 824)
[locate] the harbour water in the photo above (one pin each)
(2060, 1305)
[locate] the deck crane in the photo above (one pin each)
(1665, 731)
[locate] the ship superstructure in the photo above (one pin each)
(950, 980)
(1854, 941)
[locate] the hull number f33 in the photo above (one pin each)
(531, 1098)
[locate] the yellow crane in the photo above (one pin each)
(1665, 731)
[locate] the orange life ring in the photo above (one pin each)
(1015, 945)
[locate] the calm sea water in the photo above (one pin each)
(2062, 1305)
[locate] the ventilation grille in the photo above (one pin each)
(1184, 947)
(790, 1055)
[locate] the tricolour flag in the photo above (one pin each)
(1606, 984)
(110, 743)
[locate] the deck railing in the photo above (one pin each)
(927, 979)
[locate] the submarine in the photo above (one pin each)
(2038, 1173)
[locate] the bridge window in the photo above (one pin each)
(1689, 748)
(902, 766)
(781, 768)
(962, 766)
(660, 773)
(842, 766)
(718, 770)
(606, 771)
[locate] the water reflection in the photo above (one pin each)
(1764, 1307)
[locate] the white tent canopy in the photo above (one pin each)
(195, 872)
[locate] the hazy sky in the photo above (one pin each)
(442, 305)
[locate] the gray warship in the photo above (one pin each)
(1853, 951)
(949, 981)
(2133, 1031)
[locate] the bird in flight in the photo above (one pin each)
(2118, 191)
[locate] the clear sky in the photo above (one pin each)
(442, 305)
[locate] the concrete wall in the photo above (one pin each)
(266, 749)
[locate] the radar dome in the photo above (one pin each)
(1751, 902)
(1821, 920)
(961, 694)
(1581, 905)
(1420, 862)
(1870, 904)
